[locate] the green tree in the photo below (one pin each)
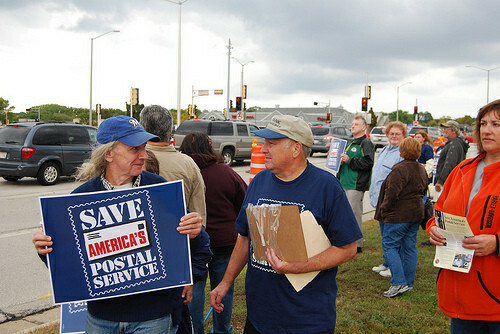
(5, 109)
(425, 117)
(374, 119)
(466, 120)
(404, 116)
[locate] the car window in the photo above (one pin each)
(415, 129)
(76, 136)
(339, 131)
(242, 129)
(49, 135)
(222, 129)
(92, 135)
(13, 134)
(319, 131)
(377, 131)
(187, 127)
(252, 127)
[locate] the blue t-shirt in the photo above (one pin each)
(273, 305)
(388, 157)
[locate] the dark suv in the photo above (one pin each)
(44, 150)
(323, 135)
(233, 140)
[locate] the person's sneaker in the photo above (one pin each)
(380, 268)
(385, 273)
(395, 290)
(360, 250)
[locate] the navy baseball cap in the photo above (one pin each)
(125, 129)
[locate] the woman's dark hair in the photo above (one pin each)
(198, 143)
(492, 106)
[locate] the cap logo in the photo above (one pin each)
(276, 122)
(134, 123)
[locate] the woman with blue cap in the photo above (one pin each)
(116, 163)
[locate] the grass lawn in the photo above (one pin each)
(361, 308)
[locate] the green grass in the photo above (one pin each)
(361, 308)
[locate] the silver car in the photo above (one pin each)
(378, 137)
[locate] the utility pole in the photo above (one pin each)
(229, 47)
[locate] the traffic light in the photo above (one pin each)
(135, 96)
(190, 110)
(194, 111)
(368, 92)
(244, 95)
(230, 104)
(329, 117)
(364, 104)
(238, 103)
(415, 110)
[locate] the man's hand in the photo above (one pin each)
(190, 224)
(42, 243)
(187, 294)
(483, 244)
(278, 265)
(344, 157)
(216, 296)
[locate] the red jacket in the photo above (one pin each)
(476, 295)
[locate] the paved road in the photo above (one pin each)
(24, 282)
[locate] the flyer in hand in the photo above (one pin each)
(452, 255)
(333, 160)
(116, 243)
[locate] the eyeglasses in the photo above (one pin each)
(391, 134)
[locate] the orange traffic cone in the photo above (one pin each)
(257, 162)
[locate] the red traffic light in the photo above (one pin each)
(364, 104)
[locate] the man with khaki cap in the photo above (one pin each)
(453, 152)
(273, 305)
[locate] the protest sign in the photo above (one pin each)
(73, 318)
(334, 159)
(116, 243)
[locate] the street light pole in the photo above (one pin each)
(488, 83)
(242, 70)
(91, 63)
(397, 101)
(180, 2)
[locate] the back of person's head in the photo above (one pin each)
(399, 125)
(158, 121)
(493, 106)
(409, 149)
(151, 164)
(198, 143)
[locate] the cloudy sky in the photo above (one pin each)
(303, 51)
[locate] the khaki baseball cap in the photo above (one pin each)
(451, 124)
(286, 126)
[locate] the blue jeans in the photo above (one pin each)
(399, 242)
(221, 321)
(381, 225)
(460, 326)
(156, 326)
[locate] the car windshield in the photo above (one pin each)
(13, 134)
(319, 130)
(378, 131)
(415, 129)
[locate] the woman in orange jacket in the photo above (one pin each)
(472, 300)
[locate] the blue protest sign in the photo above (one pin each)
(73, 318)
(116, 243)
(334, 159)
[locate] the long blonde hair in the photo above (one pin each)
(96, 164)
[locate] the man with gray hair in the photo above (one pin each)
(174, 165)
(273, 305)
(453, 152)
(356, 169)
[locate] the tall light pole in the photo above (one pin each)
(397, 102)
(488, 83)
(179, 2)
(242, 71)
(229, 48)
(91, 63)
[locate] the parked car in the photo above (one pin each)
(378, 137)
(469, 139)
(233, 140)
(44, 150)
(323, 135)
(435, 134)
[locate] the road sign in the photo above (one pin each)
(239, 115)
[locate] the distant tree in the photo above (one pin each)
(253, 109)
(425, 117)
(404, 116)
(5, 108)
(466, 120)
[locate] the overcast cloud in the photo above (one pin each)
(304, 51)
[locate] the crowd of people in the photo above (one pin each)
(132, 154)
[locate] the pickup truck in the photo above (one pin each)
(233, 140)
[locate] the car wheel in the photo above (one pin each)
(48, 174)
(12, 178)
(228, 156)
